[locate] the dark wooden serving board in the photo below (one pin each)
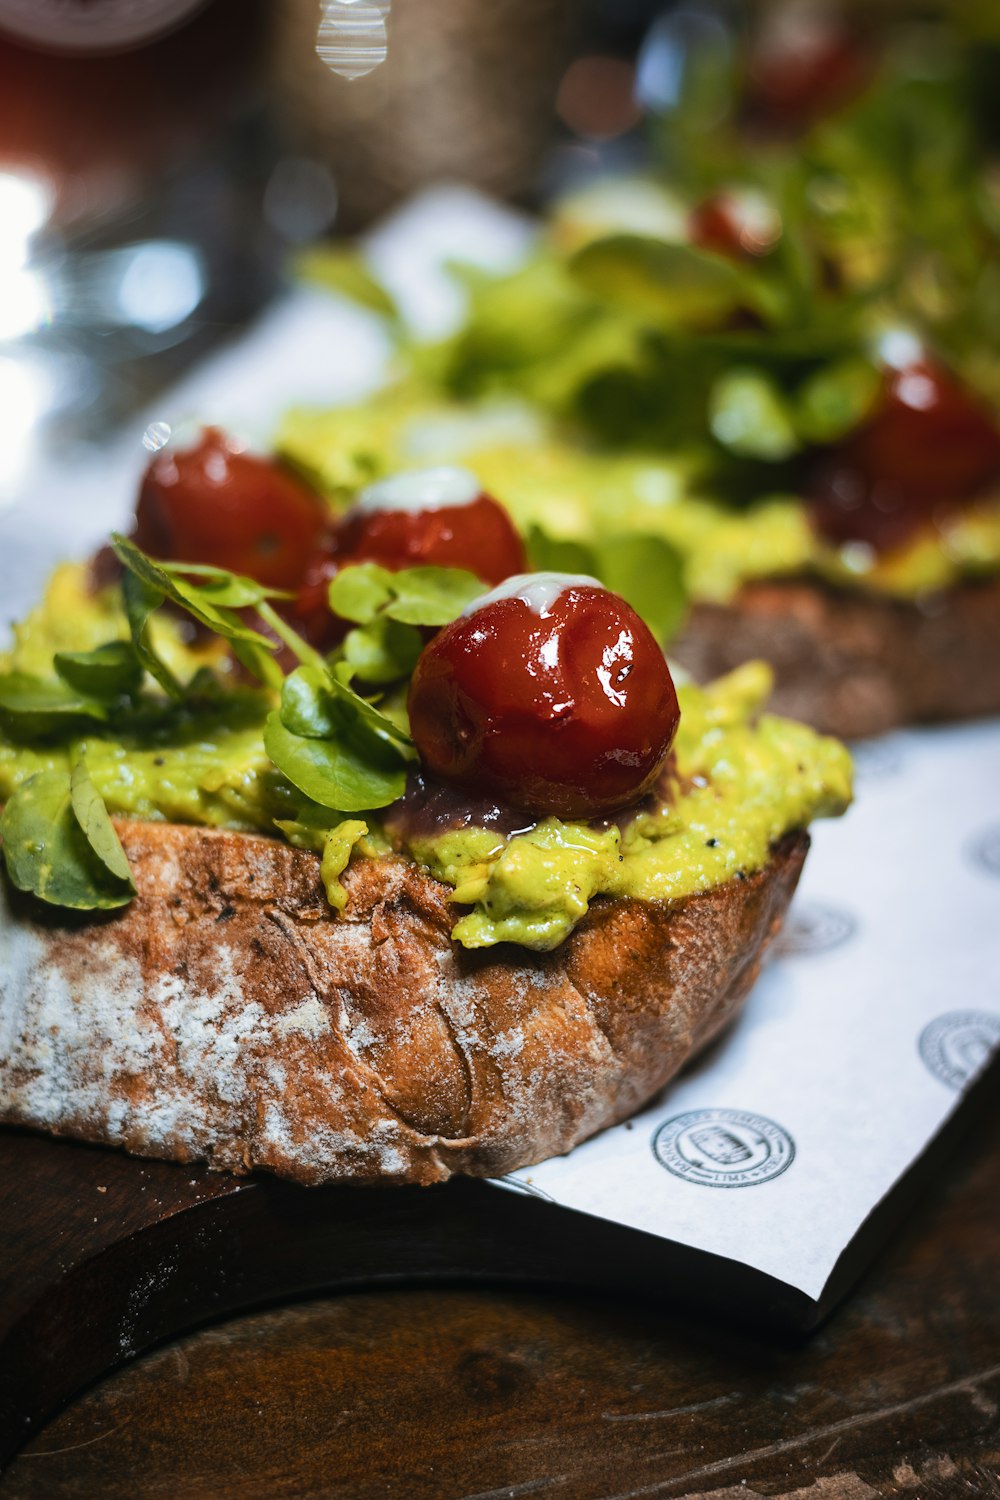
(439, 1392)
(103, 1255)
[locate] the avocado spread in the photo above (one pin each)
(542, 477)
(742, 779)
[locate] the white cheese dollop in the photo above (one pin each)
(438, 488)
(539, 591)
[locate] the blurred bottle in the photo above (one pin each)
(466, 92)
(133, 157)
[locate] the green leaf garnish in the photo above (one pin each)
(413, 596)
(38, 706)
(51, 853)
(389, 609)
(662, 280)
(432, 596)
(110, 671)
(749, 416)
(359, 592)
(649, 573)
(553, 554)
(835, 400)
(345, 272)
(384, 651)
(212, 603)
(352, 777)
(646, 570)
(98, 829)
(140, 600)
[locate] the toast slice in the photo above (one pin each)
(856, 664)
(229, 1015)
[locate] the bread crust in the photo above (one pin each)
(856, 664)
(229, 1015)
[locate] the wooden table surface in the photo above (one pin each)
(449, 1392)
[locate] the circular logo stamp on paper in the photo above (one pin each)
(984, 850)
(958, 1045)
(726, 1148)
(812, 927)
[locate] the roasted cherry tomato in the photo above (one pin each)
(803, 68)
(310, 611)
(432, 517)
(929, 447)
(737, 223)
(549, 693)
(215, 503)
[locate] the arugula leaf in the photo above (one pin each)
(646, 570)
(97, 827)
(48, 852)
(108, 672)
(335, 773)
(38, 706)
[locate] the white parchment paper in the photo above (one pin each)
(880, 1006)
(884, 999)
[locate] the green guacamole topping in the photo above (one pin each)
(743, 778)
(544, 476)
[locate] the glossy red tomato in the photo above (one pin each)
(310, 611)
(477, 535)
(929, 447)
(555, 698)
(215, 503)
(736, 224)
(804, 68)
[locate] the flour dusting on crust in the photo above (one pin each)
(229, 1015)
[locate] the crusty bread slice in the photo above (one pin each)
(229, 1015)
(856, 664)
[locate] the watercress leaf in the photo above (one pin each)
(645, 569)
(309, 706)
(559, 554)
(97, 827)
(663, 280)
(47, 852)
(368, 716)
(231, 590)
(383, 651)
(649, 573)
(749, 415)
(358, 592)
(345, 272)
(335, 773)
(110, 671)
(836, 399)
(39, 706)
(198, 599)
(432, 596)
(140, 600)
